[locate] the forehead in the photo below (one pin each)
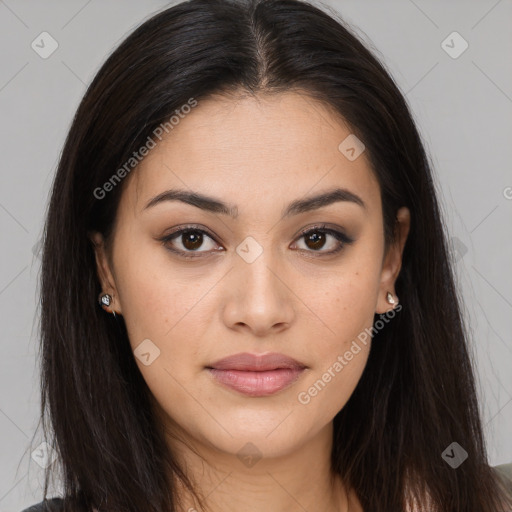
(253, 149)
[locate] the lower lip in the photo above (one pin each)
(257, 383)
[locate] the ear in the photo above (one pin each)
(105, 273)
(393, 261)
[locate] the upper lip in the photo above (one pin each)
(256, 362)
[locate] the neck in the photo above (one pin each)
(228, 482)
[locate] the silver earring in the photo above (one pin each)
(391, 300)
(105, 299)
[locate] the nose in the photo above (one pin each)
(258, 297)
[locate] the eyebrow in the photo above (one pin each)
(214, 205)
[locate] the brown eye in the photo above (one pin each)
(315, 240)
(188, 241)
(192, 240)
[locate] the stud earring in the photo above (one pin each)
(391, 300)
(105, 300)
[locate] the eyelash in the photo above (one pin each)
(321, 228)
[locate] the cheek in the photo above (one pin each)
(329, 388)
(168, 305)
(340, 355)
(343, 300)
(346, 305)
(157, 300)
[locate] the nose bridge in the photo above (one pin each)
(258, 297)
(256, 265)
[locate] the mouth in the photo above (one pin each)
(256, 375)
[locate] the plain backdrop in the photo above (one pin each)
(462, 103)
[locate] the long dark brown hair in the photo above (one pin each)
(417, 393)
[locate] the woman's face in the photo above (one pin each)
(251, 282)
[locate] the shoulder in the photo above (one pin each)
(504, 471)
(51, 505)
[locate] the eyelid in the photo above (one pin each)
(190, 227)
(321, 227)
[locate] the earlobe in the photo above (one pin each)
(393, 263)
(105, 300)
(108, 294)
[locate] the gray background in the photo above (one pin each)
(463, 107)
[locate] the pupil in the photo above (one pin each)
(192, 240)
(318, 240)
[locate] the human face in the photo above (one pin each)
(301, 296)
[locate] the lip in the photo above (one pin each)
(256, 374)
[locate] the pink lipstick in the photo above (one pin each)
(256, 374)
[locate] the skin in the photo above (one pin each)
(258, 154)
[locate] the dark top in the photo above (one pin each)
(53, 505)
(56, 504)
